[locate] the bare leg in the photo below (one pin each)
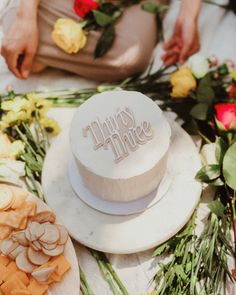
(38, 67)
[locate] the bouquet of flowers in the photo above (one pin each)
(71, 36)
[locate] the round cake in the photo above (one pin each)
(120, 141)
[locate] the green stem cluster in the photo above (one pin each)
(198, 265)
(84, 286)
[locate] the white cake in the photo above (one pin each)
(120, 142)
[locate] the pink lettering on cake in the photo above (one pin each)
(120, 133)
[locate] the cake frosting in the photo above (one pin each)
(120, 141)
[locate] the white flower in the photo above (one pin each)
(198, 65)
(208, 152)
(11, 171)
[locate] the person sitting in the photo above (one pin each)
(28, 47)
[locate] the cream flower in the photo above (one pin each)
(16, 105)
(4, 145)
(12, 118)
(199, 65)
(68, 35)
(17, 148)
(183, 82)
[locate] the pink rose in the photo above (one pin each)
(226, 116)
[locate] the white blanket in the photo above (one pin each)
(218, 31)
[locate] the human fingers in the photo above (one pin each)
(170, 43)
(11, 56)
(171, 60)
(175, 50)
(184, 53)
(27, 64)
(195, 48)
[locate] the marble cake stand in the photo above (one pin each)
(131, 233)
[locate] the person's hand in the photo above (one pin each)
(20, 46)
(184, 41)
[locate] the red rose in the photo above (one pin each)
(226, 116)
(232, 91)
(83, 7)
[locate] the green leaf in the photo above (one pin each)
(102, 19)
(229, 166)
(161, 249)
(208, 173)
(153, 7)
(205, 93)
(217, 208)
(200, 111)
(216, 182)
(180, 272)
(223, 69)
(35, 166)
(105, 41)
(221, 148)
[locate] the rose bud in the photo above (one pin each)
(226, 116)
(213, 61)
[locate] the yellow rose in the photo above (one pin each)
(233, 75)
(68, 35)
(183, 82)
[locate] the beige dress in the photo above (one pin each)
(130, 53)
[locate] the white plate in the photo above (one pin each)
(116, 208)
(124, 234)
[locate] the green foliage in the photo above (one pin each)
(217, 208)
(205, 92)
(208, 173)
(199, 111)
(221, 148)
(229, 166)
(105, 41)
(102, 19)
(154, 7)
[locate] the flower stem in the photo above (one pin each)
(233, 201)
(107, 275)
(85, 288)
(115, 276)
